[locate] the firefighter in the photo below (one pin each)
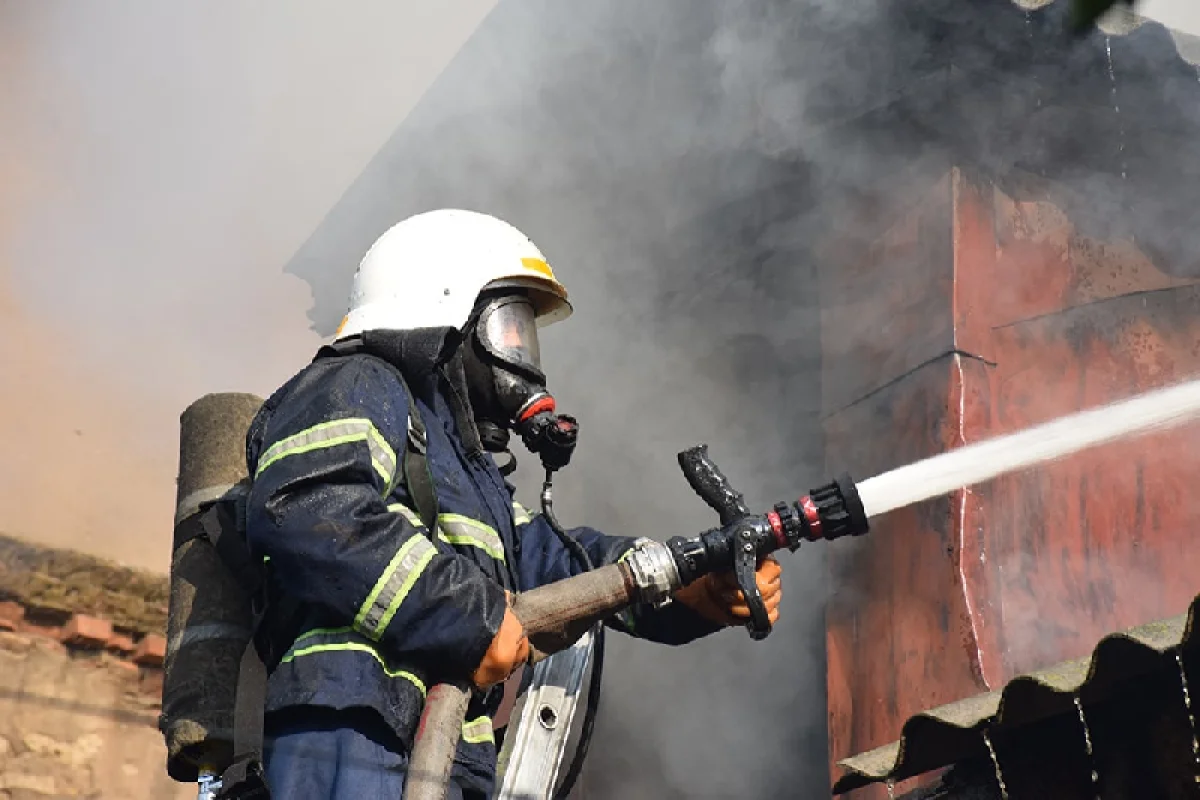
(368, 604)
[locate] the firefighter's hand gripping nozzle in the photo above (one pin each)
(828, 512)
(652, 573)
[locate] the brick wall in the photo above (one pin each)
(81, 652)
(79, 719)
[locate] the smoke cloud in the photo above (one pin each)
(156, 170)
(685, 165)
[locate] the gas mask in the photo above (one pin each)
(507, 386)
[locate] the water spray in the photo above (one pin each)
(976, 463)
(654, 571)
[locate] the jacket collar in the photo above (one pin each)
(431, 361)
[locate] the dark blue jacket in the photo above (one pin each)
(368, 608)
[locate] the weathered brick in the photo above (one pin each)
(11, 616)
(151, 650)
(151, 682)
(86, 631)
(125, 667)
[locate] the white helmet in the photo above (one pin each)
(428, 271)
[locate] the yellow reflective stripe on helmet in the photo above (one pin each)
(394, 585)
(296, 651)
(478, 731)
(457, 529)
(331, 434)
(521, 515)
(539, 266)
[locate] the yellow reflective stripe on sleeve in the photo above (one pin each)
(331, 434)
(521, 515)
(394, 585)
(407, 513)
(478, 731)
(297, 651)
(457, 529)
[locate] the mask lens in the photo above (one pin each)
(508, 329)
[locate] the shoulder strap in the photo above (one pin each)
(223, 524)
(415, 463)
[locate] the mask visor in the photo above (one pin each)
(508, 330)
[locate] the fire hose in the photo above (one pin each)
(556, 615)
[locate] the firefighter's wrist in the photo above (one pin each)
(508, 650)
(472, 635)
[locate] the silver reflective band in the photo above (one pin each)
(393, 586)
(521, 515)
(478, 731)
(460, 530)
(654, 572)
(331, 434)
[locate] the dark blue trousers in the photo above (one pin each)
(324, 759)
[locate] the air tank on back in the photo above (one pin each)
(209, 618)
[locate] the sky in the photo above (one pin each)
(157, 170)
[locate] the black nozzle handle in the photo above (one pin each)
(714, 488)
(745, 565)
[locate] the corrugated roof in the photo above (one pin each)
(950, 733)
(1120, 21)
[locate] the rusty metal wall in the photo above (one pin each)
(976, 314)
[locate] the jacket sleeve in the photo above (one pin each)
(324, 465)
(543, 558)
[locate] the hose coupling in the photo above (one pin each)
(655, 575)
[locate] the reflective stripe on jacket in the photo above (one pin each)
(381, 608)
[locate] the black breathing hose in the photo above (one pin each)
(593, 696)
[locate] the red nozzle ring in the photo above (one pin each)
(777, 528)
(811, 517)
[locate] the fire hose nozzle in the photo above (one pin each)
(826, 513)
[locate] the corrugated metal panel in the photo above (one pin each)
(1120, 21)
(944, 735)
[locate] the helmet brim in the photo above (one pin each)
(549, 297)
